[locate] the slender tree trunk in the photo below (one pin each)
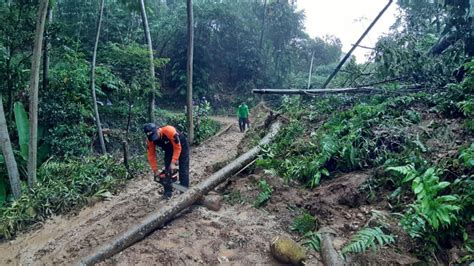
(310, 70)
(49, 17)
(34, 80)
(151, 103)
(263, 24)
(94, 97)
(9, 89)
(7, 151)
(189, 96)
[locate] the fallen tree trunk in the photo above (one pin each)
(298, 91)
(328, 253)
(158, 219)
(368, 90)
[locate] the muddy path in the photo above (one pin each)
(63, 240)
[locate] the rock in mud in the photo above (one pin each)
(212, 202)
(287, 250)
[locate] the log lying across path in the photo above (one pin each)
(165, 214)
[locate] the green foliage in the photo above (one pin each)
(437, 210)
(373, 238)
(304, 223)
(204, 126)
(234, 197)
(347, 140)
(66, 110)
(23, 131)
(312, 240)
(467, 156)
(3, 191)
(62, 187)
(23, 128)
(264, 195)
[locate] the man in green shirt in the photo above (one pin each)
(243, 114)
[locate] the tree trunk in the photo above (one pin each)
(158, 219)
(310, 70)
(49, 17)
(9, 88)
(94, 97)
(263, 25)
(7, 151)
(338, 67)
(34, 80)
(151, 103)
(189, 95)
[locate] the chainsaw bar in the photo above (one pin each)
(179, 187)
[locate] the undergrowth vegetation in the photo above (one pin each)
(419, 144)
(64, 187)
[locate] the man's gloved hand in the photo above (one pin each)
(173, 167)
(156, 176)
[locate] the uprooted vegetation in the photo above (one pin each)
(416, 152)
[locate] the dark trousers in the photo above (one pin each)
(242, 122)
(183, 160)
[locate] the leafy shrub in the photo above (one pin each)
(62, 187)
(304, 223)
(436, 210)
(204, 127)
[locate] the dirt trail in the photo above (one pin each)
(62, 240)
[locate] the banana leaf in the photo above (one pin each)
(23, 128)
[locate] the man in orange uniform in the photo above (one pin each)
(175, 146)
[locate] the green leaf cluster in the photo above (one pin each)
(366, 238)
(264, 195)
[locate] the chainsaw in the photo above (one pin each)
(165, 177)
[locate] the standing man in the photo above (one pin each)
(175, 146)
(243, 114)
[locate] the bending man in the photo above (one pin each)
(175, 146)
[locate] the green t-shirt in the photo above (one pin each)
(243, 111)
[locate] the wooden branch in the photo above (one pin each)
(158, 219)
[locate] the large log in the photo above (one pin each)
(311, 91)
(366, 90)
(328, 253)
(158, 219)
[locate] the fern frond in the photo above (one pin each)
(368, 238)
(265, 194)
(312, 240)
(408, 171)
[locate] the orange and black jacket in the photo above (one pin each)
(167, 135)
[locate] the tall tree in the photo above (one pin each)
(7, 151)
(189, 97)
(151, 106)
(94, 97)
(34, 80)
(47, 39)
